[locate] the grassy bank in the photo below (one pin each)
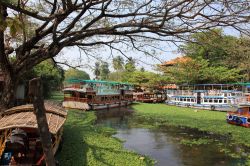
(86, 144)
(56, 96)
(211, 121)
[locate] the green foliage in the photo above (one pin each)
(97, 70)
(130, 65)
(15, 26)
(76, 74)
(239, 51)
(117, 76)
(86, 144)
(221, 58)
(52, 76)
(118, 63)
(209, 45)
(146, 79)
(198, 70)
(104, 71)
(191, 142)
(209, 121)
(56, 96)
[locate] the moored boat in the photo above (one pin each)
(241, 116)
(20, 142)
(149, 97)
(96, 94)
(207, 96)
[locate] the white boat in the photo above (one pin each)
(210, 96)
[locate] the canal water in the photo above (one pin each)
(171, 146)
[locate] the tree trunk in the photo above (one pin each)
(8, 96)
(35, 92)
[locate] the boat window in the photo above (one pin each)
(215, 101)
(210, 100)
(82, 95)
(220, 101)
(225, 101)
(205, 100)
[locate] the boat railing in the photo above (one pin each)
(73, 86)
(180, 92)
(239, 100)
(75, 99)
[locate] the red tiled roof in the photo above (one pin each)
(172, 62)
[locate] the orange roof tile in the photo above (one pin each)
(172, 62)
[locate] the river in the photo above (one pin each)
(171, 146)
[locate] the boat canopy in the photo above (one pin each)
(24, 117)
(97, 82)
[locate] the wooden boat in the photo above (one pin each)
(19, 138)
(96, 94)
(147, 97)
(241, 117)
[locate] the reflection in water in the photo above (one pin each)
(163, 144)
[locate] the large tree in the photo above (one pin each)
(57, 24)
(220, 50)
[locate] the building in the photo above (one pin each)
(20, 92)
(182, 59)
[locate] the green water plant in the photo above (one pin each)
(191, 142)
(87, 144)
(208, 121)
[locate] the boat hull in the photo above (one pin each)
(238, 120)
(86, 106)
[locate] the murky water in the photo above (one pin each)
(166, 145)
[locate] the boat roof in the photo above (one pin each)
(229, 84)
(244, 105)
(24, 117)
(97, 81)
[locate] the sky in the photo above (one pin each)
(75, 57)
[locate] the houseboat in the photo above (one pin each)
(20, 142)
(96, 94)
(241, 117)
(207, 96)
(149, 97)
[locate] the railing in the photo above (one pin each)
(75, 99)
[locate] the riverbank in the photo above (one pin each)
(153, 115)
(87, 144)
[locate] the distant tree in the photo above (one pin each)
(220, 50)
(199, 71)
(142, 69)
(239, 56)
(104, 71)
(97, 71)
(118, 63)
(147, 79)
(130, 65)
(209, 45)
(76, 74)
(117, 76)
